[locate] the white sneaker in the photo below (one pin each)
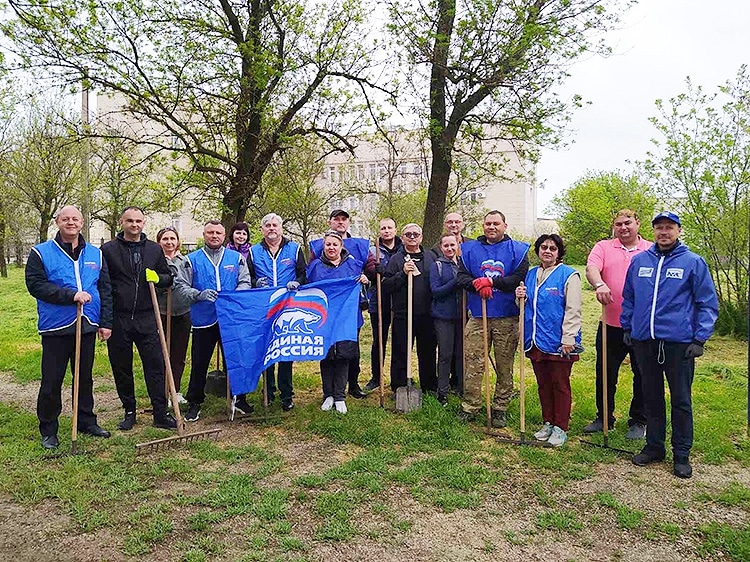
(340, 406)
(327, 404)
(558, 437)
(544, 433)
(181, 399)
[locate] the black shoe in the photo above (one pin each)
(597, 426)
(466, 417)
(442, 399)
(356, 392)
(372, 385)
(636, 431)
(166, 421)
(193, 413)
(271, 397)
(242, 407)
(127, 422)
(499, 419)
(647, 457)
(50, 442)
(682, 468)
(96, 431)
(287, 405)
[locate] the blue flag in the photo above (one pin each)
(260, 327)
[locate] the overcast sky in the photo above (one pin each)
(661, 43)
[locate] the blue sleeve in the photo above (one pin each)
(438, 286)
(706, 302)
(628, 293)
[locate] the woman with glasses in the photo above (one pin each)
(180, 324)
(552, 333)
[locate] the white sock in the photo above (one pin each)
(341, 406)
(327, 404)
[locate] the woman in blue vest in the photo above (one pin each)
(552, 333)
(336, 263)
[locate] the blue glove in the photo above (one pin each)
(627, 339)
(292, 286)
(695, 349)
(208, 295)
(262, 282)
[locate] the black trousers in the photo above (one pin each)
(57, 353)
(423, 332)
(450, 354)
(204, 342)
(333, 373)
(374, 357)
(353, 369)
(178, 344)
(141, 331)
(284, 380)
(616, 353)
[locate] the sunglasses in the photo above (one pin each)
(412, 234)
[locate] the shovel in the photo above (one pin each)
(76, 381)
(379, 292)
(409, 397)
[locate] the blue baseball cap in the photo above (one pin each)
(669, 215)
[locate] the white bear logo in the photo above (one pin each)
(295, 321)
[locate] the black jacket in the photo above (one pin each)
(395, 282)
(40, 288)
(127, 262)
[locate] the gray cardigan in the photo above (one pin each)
(180, 304)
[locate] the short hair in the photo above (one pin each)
(494, 212)
(214, 222)
(132, 208)
(629, 213)
(269, 217)
(412, 225)
(236, 227)
(388, 219)
(166, 229)
(557, 239)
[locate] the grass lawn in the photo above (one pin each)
(371, 485)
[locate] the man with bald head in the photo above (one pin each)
(62, 274)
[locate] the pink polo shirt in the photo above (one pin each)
(613, 259)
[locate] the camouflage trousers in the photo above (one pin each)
(503, 338)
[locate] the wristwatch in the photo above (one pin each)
(599, 284)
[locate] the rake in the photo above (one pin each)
(182, 437)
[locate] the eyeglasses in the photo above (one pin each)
(412, 234)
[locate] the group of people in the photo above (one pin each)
(659, 301)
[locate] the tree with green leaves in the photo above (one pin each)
(585, 210)
(701, 162)
(226, 84)
(486, 71)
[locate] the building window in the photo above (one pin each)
(332, 174)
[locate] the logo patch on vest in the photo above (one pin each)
(492, 268)
(645, 271)
(675, 273)
(92, 264)
(229, 267)
(553, 291)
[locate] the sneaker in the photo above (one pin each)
(499, 419)
(466, 417)
(544, 433)
(181, 399)
(558, 437)
(166, 421)
(682, 468)
(127, 422)
(372, 385)
(597, 426)
(50, 442)
(340, 406)
(442, 399)
(242, 407)
(647, 456)
(287, 405)
(636, 431)
(327, 404)
(193, 413)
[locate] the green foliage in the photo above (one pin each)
(723, 538)
(585, 211)
(564, 520)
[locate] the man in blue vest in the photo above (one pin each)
(61, 274)
(207, 271)
(359, 248)
(490, 268)
(277, 262)
(134, 261)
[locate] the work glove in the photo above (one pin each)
(695, 349)
(480, 282)
(379, 268)
(292, 286)
(151, 276)
(208, 295)
(485, 292)
(262, 282)
(627, 339)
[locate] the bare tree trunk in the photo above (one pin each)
(3, 251)
(19, 252)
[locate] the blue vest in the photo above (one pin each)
(493, 260)
(206, 275)
(545, 309)
(279, 270)
(80, 275)
(357, 247)
(350, 267)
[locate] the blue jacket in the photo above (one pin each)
(357, 247)
(545, 310)
(320, 269)
(278, 270)
(446, 303)
(223, 277)
(669, 296)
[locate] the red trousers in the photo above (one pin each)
(553, 380)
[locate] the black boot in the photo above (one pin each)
(127, 422)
